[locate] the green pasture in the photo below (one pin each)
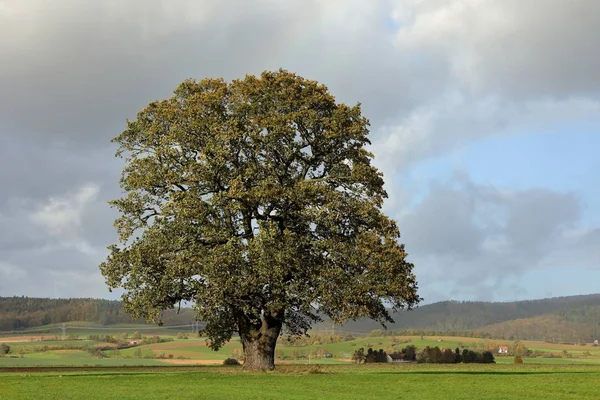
(414, 382)
(196, 349)
(69, 358)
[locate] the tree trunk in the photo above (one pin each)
(259, 342)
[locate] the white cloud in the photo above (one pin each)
(61, 216)
(454, 120)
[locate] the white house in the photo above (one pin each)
(396, 359)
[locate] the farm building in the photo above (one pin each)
(396, 358)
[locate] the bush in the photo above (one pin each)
(359, 356)
(410, 352)
(4, 348)
(375, 356)
(470, 356)
(457, 356)
(96, 352)
(316, 369)
(487, 357)
(518, 360)
(430, 355)
(231, 361)
(448, 357)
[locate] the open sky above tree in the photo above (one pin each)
(484, 118)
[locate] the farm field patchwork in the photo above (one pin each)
(195, 351)
(413, 382)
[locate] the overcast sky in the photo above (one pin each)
(485, 121)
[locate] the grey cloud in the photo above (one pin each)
(466, 232)
(87, 66)
(520, 48)
(73, 71)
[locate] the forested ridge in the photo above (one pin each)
(565, 318)
(572, 319)
(28, 312)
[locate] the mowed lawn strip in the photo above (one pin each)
(335, 382)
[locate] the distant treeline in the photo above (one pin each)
(550, 328)
(18, 313)
(574, 319)
(473, 318)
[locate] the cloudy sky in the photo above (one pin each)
(485, 121)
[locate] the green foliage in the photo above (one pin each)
(410, 353)
(430, 355)
(4, 348)
(253, 199)
(434, 355)
(313, 339)
(457, 356)
(448, 357)
(375, 356)
(487, 357)
(359, 356)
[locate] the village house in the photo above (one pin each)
(396, 358)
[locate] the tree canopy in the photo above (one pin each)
(256, 201)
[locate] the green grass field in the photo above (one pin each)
(412, 382)
(195, 350)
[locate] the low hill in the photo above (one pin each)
(572, 318)
(458, 317)
(17, 313)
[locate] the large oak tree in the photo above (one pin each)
(256, 201)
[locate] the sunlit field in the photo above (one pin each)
(29, 350)
(307, 382)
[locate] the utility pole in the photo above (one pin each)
(64, 331)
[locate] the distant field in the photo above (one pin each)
(414, 382)
(194, 351)
(84, 329)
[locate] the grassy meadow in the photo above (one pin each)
(415, 382)
(28, 350)
(180, 369)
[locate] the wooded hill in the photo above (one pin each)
(572, 318)
(18, 313)
(566, 319)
